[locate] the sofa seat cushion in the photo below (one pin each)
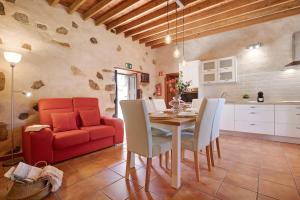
(67, 139)
(99, 132)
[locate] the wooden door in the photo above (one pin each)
(170, 81)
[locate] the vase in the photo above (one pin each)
(177, 104)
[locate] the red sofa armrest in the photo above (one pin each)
(118, 125)
(37, 146)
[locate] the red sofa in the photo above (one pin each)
(50, 146)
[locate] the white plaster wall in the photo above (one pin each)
(51, 63)
(257, 70)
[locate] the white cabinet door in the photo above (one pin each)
(227, 121)
(254, 107)
(191, 72)
(227, 69)
(209, 71)
(254, 116)
(288, 130)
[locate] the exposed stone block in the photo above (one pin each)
(94, 85)
(99, 75)
(42, 26)
(62, 30)
(2, 81)
(2, 9)
(119, 48)
(21, 17)
(107, 70)
(93, 40)
(74, 24)
(23, 116)
(76, 71)
(11, 1)
(63, 44)
(110, 87)
(26, 46)
(37, 84)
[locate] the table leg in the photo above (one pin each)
(132, 160)
(176, 157)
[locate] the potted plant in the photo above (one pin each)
(246, 97)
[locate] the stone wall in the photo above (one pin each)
(257, 69)
(63, 56)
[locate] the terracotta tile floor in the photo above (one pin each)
(249, 169)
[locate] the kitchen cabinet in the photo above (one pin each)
(227, 122)
(191, 72)
(268, 119)
(287, 119)
(219, 70)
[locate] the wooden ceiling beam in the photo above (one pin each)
(235, 24)
(95, 9)
(215, 18)
(230, 27)
(194, 17)
(151, 16)
(144, 8)
(53, 2)
(115, 10)
(75, 5)
(190, 10)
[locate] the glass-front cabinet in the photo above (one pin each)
(219, 70)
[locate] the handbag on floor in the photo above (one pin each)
(30, 190)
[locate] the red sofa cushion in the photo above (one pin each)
(57, 105)
(63, 122)
(67, 139)
(85, 103)
(99, 132)
(89, 117)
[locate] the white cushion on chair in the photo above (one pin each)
(158, 131)
(161, 145)
(187, 141)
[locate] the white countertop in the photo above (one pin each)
(265, 103)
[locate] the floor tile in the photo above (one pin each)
(121, 189)
(231, 192)
(277, 191)
(186, 192)
(243, 181)
(277, 177)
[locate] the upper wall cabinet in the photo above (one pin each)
(221, 70)
(191, 72)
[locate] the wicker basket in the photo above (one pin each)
(30, 191)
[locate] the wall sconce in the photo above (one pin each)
(254, 46)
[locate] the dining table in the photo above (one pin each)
(176, 124)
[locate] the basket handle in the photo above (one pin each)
(41, 162)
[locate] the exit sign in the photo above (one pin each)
(128, 65)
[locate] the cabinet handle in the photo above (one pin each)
(252, 113)
(252, 107)
(298, 114)
(297, 127)
(252, 124)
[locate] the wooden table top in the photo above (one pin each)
(173, 120)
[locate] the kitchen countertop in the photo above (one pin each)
(265, 103)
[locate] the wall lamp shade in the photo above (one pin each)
(12, 57)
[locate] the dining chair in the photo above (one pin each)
(150, 105)
(196, 103)
(159, 105)
(216, 130)
(202, 133)
(139, 135)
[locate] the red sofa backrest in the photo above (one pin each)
(84, 103)
(55, 105)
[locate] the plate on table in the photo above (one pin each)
(168, 111)
(192, 110)
(160, 116)
(186, 114)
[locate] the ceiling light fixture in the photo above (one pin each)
(254, 46)
(168, 38)
(176, 53)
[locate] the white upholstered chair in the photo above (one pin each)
(159, 105)
(196, 103)
(139, 135)
(216, 129)
(202, 133)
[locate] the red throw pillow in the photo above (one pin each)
(90, 117)
(63, 122)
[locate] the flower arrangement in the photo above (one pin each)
(178, 86)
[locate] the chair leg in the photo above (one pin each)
(208, 158)
(167, 159)
(218, 147)
(212, 154)
(196, 162)
(128, 164)
(160, 160)
(148, 170)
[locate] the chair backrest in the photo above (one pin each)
(204, 123)
(196, 103)
(149, 105)
(138, 127)
(54, 105)
(217, 120)
(159, 105)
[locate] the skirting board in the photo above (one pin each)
(262, 136)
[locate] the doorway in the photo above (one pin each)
(126, 90)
